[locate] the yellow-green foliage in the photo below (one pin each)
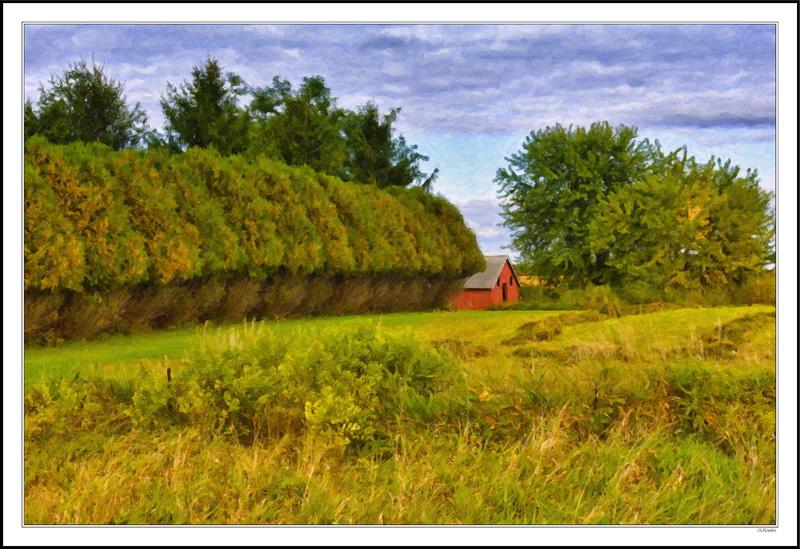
(350, 384)
(628, 420)
(96, 219)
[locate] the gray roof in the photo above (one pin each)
(488, 278)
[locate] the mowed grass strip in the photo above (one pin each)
(116, 356)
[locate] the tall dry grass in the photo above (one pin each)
(629, 420)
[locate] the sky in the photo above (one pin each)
(470, 94)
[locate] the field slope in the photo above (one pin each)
(508, 417)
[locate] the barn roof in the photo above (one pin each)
(488, 278)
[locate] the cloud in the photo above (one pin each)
(467, 78)
(385, 43)
(482, 215)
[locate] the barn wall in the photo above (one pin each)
(473, 300)
(513, 291)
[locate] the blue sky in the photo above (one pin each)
(470, 94)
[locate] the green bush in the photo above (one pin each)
(348, 385)
(639, 296)
(97, 220)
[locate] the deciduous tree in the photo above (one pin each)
(596, 207)
(553, 189)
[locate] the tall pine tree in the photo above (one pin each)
(205, 112)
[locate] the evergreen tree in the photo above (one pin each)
(376, 156)
(301, 128)
(205, 112)
(85, 104)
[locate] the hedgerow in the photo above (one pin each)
(98, 220)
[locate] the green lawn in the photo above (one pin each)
(114, 355)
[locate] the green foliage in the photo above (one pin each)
(602, 299)
(205, 111)
(304, 127)
(637, 296)
(348, 385)
(301, 128)
(85, 104)
(553, 189)
(375, 156)
(90, 231)
(593, 206)
(98, 219)
(690, 227)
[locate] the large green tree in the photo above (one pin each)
(302, 127)
(205, 112)
(375, 156)
(595, 206)
(688, 226)
(85, 104)
(552, 191)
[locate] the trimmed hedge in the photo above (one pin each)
(98, 220)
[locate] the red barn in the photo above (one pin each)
(498, 283)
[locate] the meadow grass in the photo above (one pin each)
(634, 420)
(119, 354)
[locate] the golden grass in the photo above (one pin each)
(620, 421)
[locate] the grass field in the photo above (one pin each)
(506, 417)
(117, 354)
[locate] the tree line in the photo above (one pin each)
(596, 206)
(586, 206)
(300, 126)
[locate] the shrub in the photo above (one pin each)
(758, 288)
(349, 385)
(127, 217)
(640, 297)
(97, 220)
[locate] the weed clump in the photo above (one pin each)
(349, 385)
